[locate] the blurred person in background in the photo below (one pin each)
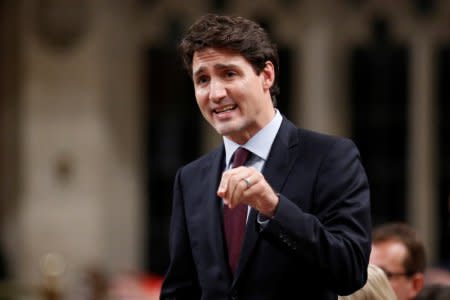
(399, 251)
(377, 287)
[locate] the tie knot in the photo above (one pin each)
(240, 157)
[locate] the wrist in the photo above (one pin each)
(273, 207)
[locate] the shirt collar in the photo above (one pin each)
(259, 144)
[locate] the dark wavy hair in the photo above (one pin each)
(233, 33)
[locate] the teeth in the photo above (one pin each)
(224, 108)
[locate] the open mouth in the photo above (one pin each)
(224, 108)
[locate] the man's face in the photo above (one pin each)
(390, 255)
(231, 96)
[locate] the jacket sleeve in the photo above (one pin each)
(180, 281)
(335, 235)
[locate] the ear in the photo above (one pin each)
(268, 75)
(417, 282)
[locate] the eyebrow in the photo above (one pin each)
(217, 67)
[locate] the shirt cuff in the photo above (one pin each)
(262, 220)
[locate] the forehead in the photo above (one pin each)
(388, 253)
(216, 58)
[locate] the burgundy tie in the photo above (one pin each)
(234, 219)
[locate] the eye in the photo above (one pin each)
(201, 80)
(230, 74)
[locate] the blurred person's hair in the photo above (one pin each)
(233, 33)
(377, 287)
(415, 260)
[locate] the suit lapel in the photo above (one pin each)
(212, 209)
(282, 156)
(279, 162)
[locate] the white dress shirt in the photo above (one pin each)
(259, 145)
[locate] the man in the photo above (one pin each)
(398, 250)
(305, 197)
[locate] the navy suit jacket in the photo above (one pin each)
(316, 246)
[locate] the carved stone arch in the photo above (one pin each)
(399, 15)
(61, 24)
(157, 19)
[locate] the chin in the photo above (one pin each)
(225, 131)
(229, 128)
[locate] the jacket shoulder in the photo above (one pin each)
(205, 160)
(317, 140)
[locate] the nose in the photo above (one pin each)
(217, 91)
